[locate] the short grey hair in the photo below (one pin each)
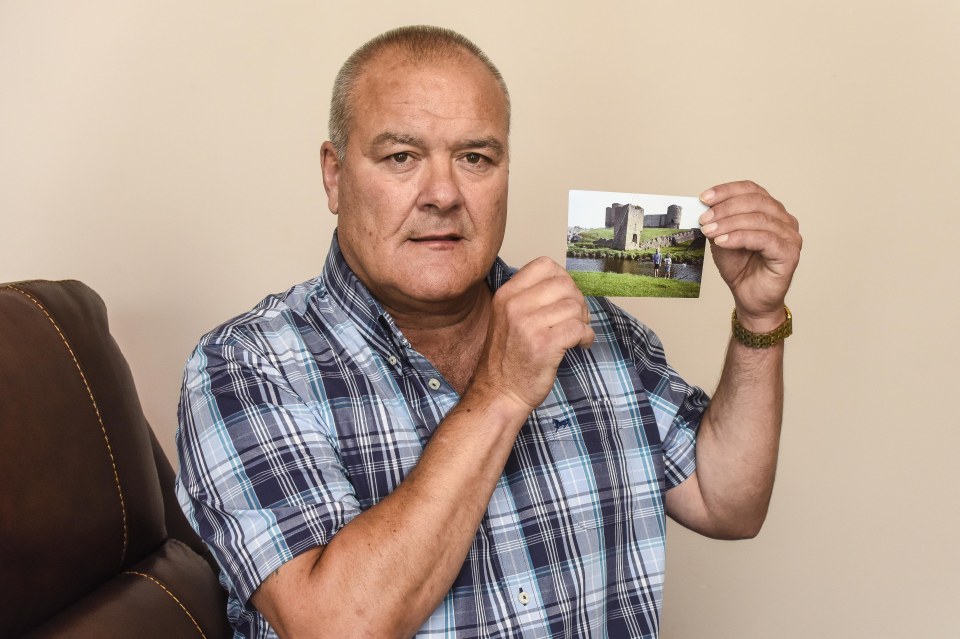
(419, 43)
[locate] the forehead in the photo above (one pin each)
(452, 85)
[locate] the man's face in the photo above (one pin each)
(422, 191)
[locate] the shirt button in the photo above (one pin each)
(434, 383)
(393, 360)
(523, 597)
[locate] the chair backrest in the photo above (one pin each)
(89, 527)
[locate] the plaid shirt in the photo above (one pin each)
(312, 407)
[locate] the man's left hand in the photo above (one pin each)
(756, 247)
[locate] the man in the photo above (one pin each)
(656, 262)
(420, 442)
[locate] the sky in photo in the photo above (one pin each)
(588, 208)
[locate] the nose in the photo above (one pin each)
(439, 188)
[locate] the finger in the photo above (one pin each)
(547, 317)
(721, 192)
(554, 295)
(560, 334)
(543, 279)
(750, 222)
(573, 332)
(773, 248)
(588, 337)
(533, 272)
(748, 204)
(573, 306)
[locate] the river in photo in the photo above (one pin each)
(684, 272)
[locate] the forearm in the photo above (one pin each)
(388, 569)
(739, 438)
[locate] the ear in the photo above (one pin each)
(330, 166)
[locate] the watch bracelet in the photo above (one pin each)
(762, 340)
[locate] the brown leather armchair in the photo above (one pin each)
(92, 540)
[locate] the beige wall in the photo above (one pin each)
(166, 153)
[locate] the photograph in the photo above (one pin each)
(634, 244)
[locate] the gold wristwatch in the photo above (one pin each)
(762, 340)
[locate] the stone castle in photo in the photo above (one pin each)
(628, 222)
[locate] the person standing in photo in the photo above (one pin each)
(656, 262)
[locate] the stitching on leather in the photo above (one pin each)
(172, 596)
(96, 410)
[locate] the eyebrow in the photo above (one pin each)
(491, 143)
(391, 137)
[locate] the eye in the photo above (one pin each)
(473, 158)
(400, 158)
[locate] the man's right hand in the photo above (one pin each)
(537, 316)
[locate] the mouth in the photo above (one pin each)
(447, 237)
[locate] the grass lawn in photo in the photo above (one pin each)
(626, 285)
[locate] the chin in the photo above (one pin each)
(436, 288)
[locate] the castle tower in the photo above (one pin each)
(674, 212)
(627, 227)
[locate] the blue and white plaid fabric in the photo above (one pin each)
(312, 407)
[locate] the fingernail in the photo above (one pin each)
(707, 216)
(709, 228)
(707, 196)
(722, 239)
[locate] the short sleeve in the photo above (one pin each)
(677, 406)
(260, 475)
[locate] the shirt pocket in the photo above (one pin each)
(587, 420)
(591, 450)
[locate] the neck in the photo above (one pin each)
(433, 315)
(450, 335)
